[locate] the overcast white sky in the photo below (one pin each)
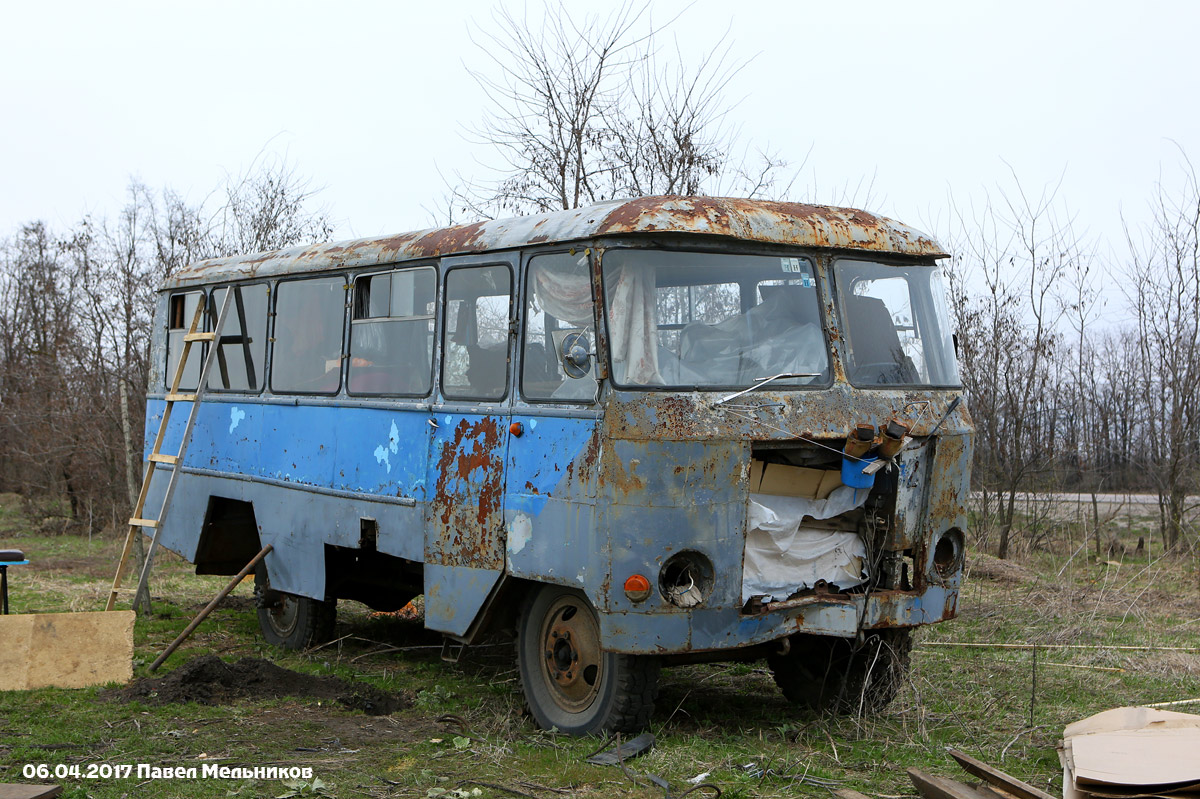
(371, 100)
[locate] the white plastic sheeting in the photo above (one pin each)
(783, 556)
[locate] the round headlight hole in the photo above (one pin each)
(686, 579)
(948, 553)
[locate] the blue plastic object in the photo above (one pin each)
(852, 473)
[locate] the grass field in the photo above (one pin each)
(465, 734)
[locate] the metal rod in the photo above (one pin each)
(202, 615)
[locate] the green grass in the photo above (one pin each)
(712, 719)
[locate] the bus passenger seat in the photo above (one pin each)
(875, 348)
(486, 369)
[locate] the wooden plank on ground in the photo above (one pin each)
(9, 790)
(997, 777)
(932, 787)
(65, 650)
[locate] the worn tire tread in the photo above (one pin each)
(831, 675)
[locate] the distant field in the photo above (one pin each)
(464, 730)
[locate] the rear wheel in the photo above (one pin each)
(291, 621)
(570, 683)
(841, 675)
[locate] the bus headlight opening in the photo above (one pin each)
(686, 579)
(948, 553)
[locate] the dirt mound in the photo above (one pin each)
(986, 567)
(208, 680)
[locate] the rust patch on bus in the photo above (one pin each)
(467, 503)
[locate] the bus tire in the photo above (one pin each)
(570, 684)
(839, 675)
(291, 621)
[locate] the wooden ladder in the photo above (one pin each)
(138, 521)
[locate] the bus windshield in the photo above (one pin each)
(707, 320)
(897, 324)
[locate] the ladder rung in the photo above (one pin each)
(180, 397)
(199, 336)
(158, 457)
(143, 523)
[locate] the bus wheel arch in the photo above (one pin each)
(569, 682)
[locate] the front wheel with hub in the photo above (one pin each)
(291, 621)
(570, 683)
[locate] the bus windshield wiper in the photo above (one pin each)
(762, 381)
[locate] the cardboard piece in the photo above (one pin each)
(781, 480)
(65, 650)
(1132, 752)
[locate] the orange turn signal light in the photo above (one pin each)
(637, 588)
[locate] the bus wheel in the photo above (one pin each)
(838, 675)
(570, 683)
(294, 622)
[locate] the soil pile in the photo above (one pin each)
(208, 680)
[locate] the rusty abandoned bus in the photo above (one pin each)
(641, 433)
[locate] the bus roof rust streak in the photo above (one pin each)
(797, 224)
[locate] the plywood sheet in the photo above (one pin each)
(65, 650)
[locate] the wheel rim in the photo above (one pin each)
(283, 614)
(572, 663)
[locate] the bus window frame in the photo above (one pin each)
(523, 300)
(208, 322)
(442, 330)
(348, 340)
(201, 352)
(881, 259)
(274, 316)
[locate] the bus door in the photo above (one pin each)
(464, 530)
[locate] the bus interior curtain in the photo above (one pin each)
(565, 292)
(633, 325)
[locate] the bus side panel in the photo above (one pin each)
(265, 448)
(550, 504)
(668, 496)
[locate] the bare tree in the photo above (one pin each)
(1011, 343)
(584, 110)
(75, 322)
(1164, 283)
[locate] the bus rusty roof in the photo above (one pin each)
(769, 222)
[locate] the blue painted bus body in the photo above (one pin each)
(579, 495)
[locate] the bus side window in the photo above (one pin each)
(475, 350)
(307, 356)
(242, 355)
(391, 332)
(558, 302)
(181, 311)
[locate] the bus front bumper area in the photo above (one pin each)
(713, 629)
